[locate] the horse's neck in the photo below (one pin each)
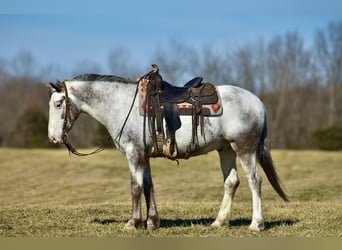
(107, 102)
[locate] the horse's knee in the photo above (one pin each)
(136, 190)
(232, 182)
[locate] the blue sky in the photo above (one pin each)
(68, 33)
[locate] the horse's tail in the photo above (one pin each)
(265, 160)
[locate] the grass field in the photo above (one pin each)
(47, 193)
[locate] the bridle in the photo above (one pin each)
(67, 117)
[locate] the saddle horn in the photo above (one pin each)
(155, 69)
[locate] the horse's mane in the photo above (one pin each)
(104, 78)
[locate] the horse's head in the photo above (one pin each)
(62, 112)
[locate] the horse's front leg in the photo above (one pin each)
(153, 220)
(136, 166)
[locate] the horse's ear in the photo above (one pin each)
(55, 86)
(60, 85)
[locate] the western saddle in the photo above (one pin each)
(161, 100)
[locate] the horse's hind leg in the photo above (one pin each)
(248, 162)
(153, 220)
(231, 182)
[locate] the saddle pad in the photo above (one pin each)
(184, 108)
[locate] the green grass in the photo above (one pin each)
(47, 193)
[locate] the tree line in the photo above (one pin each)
(300, 85)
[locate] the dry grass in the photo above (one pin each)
(48, 193)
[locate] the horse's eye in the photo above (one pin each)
(58, 104)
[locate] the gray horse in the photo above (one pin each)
(240, 131)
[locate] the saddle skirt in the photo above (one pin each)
(211, 107)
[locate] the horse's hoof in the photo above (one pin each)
(216, 224)
(152, 224)
(257, 227)
(131, 226)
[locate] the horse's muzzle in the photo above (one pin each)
(54, 140)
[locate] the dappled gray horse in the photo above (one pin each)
(240, 131)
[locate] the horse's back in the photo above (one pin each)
(239, 100)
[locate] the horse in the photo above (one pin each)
(240, 132)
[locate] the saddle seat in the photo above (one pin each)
(193, 91)
(174, 94)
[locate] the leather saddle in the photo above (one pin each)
(163, 100)
(194, 92)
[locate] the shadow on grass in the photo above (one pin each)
(268, 224)
(232, 223)
(185, 222)
(204, 222)
(105, 221)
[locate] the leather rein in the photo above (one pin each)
(67, 116)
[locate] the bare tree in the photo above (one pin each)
(328, 45)
(23, 64)
(120, 65)
(245, 68)
(180, 62)
(288, 71)
(86, 66)
(216, 66)
(261, 67)
(175, 61)
(3, 70)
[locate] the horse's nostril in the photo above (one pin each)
(53, 139)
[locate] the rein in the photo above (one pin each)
(67, 116)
